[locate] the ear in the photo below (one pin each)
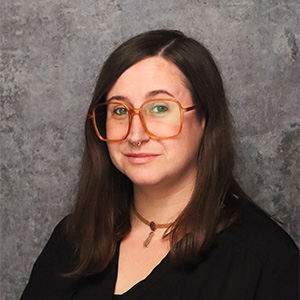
(203, 123)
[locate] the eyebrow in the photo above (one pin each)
(119, 98)
(156, 92)
(148, 95)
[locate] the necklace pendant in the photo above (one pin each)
(152, 226)
(148, 239)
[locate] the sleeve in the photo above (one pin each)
(280, 275)
(46, 280)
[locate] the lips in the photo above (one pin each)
(140, 158)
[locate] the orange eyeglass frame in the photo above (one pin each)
(136, 111)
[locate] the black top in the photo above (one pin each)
(252, 259)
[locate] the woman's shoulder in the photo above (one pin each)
(59, 231)
(55, 260)
(58, 246)
(259, 233)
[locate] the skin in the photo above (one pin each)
(163, 173)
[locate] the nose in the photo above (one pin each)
(137, 133)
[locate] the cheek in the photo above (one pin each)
(113, 151)
(192, 138)
(193, 132)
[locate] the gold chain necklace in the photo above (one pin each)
(153, 226)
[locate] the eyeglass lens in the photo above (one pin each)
(162, 119)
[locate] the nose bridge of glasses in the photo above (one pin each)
(136, 126)
(135, 111)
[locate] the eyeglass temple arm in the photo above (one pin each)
(191, 107)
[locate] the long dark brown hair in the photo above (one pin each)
(101, 215)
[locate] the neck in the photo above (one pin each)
(162, 204)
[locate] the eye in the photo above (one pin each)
(159, 109)
(120, 111)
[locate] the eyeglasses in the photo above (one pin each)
(160, 118)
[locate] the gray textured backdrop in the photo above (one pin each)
(51, 53)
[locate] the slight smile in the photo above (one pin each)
(141, 158)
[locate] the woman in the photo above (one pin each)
(159, 214)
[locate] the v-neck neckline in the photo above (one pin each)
(103, 284)
(140, 287)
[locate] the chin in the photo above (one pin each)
(140, 178)
(144, 181)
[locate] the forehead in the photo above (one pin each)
(154, 73)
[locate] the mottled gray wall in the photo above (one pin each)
(51, 53)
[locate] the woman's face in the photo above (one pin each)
(156, 162)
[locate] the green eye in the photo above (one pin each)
(120, 111)
(159, 109)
